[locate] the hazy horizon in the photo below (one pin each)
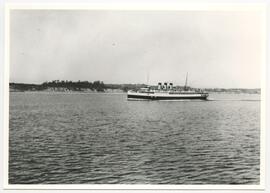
(140, 83)
(219, 49)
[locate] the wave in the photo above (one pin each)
(194, 100)
(211, 99)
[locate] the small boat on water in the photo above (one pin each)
(167, 92)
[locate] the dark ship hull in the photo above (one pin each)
(166, 96)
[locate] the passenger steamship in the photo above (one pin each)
(167, 92)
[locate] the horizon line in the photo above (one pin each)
(137, 84)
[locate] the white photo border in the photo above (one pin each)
(178, 7)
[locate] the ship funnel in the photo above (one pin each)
(171, 86)
(165, 85)
(159, 86)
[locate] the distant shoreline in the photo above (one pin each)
(100, 87)
(116, 91)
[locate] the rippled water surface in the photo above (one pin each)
(103, 139)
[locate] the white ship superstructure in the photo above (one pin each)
(167, 91)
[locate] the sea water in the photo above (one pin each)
(78, 138)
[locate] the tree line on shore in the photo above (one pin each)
(98, 86)
(75, 86)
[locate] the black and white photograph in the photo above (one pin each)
(135, 96)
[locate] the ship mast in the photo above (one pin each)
(147, 78)
(186, 81)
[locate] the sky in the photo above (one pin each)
(220, 49)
